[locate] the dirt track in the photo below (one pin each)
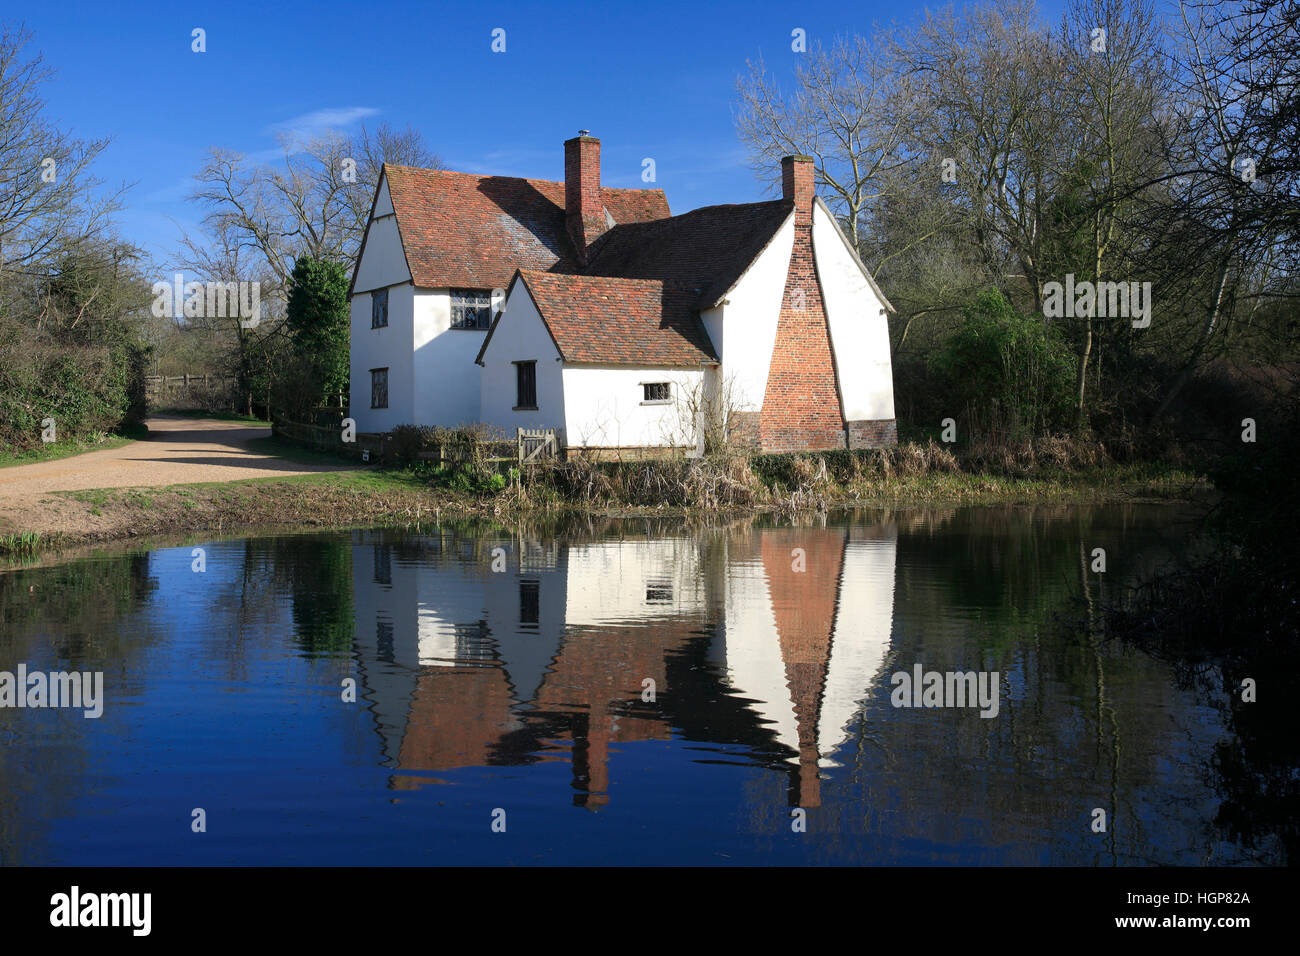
(178, 451)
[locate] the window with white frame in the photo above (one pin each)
(656, 393)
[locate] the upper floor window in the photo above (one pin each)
(471, 309)
(379, 308)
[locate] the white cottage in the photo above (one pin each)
(595, 312)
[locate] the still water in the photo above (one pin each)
(625, 693)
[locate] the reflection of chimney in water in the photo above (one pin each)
(804, 599)
(591, 735)
(806, 783)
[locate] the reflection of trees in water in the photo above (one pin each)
(1084, 723)
(1254, 765)
(63, 617)
(317, 572)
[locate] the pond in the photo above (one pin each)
(613, 692)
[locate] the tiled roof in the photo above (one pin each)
(462, 230)
(604, 320)
(637, 300)
(706, 250)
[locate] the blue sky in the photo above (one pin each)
(650, 79)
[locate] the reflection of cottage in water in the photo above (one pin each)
(806, 632)
(548, 659)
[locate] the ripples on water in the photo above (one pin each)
(524, 695)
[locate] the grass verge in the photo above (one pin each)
(69, 447)
(910, 475)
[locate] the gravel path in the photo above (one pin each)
(178, 450)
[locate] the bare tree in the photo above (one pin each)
(847, 111)
(48, 198)
(314, 202)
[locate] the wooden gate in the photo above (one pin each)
(536, 443)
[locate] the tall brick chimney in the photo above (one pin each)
(584, 213)
(797, 183)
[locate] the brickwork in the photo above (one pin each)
(801, 407)
(583, 206)
(877, 434)
(743, 431)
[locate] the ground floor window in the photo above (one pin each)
(379, 388)
(525, 385)
(656, 392)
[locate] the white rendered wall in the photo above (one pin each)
(605, 407)
(447, 388)
(521, 336)
(383, 261)
(388, 347)
(858, 324)
(382, 265)
(743, 329)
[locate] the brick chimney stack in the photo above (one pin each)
(797, 176)
(584, 213)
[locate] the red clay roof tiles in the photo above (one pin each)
(462, 230)
(604, 320)
(637, 300)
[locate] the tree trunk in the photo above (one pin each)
(1211, 321)
(1083, 373)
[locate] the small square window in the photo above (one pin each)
(657, 392)
(379, 388)
(379, 309)
(471, 309)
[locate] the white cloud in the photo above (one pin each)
(301, 129)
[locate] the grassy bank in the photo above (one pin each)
(69, 447)
(913, 473)
(910, 475)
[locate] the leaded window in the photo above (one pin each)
(471, 309)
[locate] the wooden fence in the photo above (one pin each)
(170, 389)
(529, 445)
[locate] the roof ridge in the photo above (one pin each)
(522, 179)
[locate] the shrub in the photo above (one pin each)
(1011, 370)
